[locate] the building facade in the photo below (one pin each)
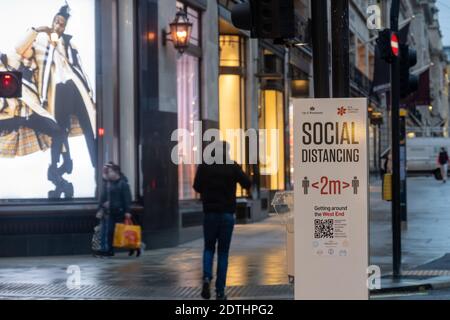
(427, 109)
(428, 119)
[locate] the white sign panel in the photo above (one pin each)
(331, 198)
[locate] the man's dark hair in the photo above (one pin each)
(64, 12)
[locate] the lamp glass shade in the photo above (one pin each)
(180, 30)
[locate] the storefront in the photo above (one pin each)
(257, 81)
(142, 90)
(129, 113)
(238, 109)
(50, 178)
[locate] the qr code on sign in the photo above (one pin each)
(323, 229)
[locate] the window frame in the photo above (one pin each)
(6, 204)
(197, 52)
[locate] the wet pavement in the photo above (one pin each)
(257, 265)
(257, 260)
(425, 237)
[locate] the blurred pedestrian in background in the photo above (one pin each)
(443, 163)
(115, 202)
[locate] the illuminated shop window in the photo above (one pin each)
(272, 120)
(362, 57)
(188, 95)
(231, 51)
(232, 97)
(52, 155)
(188, 113)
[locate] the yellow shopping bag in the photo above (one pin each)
(127, 236)
(387, 187)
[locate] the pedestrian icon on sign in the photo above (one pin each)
(305, 185)
(355, 185)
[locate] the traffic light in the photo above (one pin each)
(388, 45)
(409, 82)
(266, 19)
(10, 85)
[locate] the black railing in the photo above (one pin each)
(360, 80)
(362, 83)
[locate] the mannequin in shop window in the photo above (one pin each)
(64, 92)
(25, 126)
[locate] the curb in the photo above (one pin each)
(403, 289)
(441, 285)
(430, 284)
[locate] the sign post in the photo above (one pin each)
(331, 198)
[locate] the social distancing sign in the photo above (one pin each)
(331, 198)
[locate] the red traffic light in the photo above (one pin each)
(101, 132)
(388, 45)
(7, 80)
(394, 44)
(10, 84)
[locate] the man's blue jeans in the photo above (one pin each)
(217, 229)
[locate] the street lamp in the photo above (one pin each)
(180, 32)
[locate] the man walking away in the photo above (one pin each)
(443, 163)
(216, 183)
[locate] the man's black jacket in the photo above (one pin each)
(216, 184)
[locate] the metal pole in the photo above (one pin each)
(379, 147)
(319, 12)
(341, 48)
(396, 183)
(375, 147)
(403, 173)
